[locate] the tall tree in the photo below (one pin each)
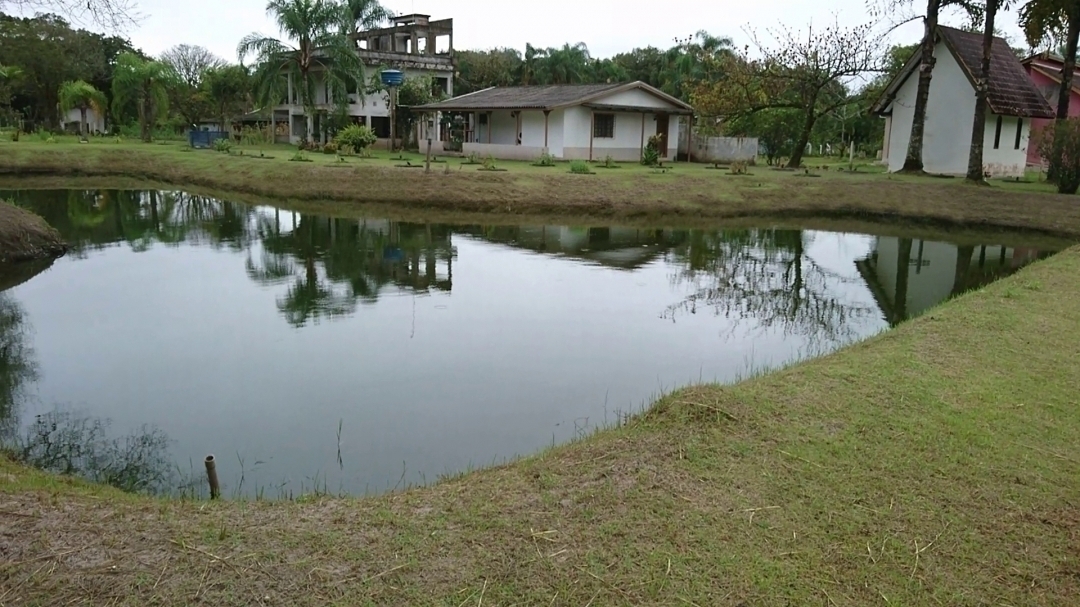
(227, 89)
(805, 73)
(146, 83)
(314, 44)
(84, 97)
(982, 87)
(191, 62)
(364, 15)
(1044, 21)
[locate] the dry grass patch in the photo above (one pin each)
(934, 464)
(24, 236)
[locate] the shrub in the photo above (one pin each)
(356, 136)
(472, 158)
(15, 136)
(222, 145)
(738, 167)
(545, 160)
(1059, 144)
(489, 163)
(580, 167)
(609, 162)
(651, 156)
(330, 148)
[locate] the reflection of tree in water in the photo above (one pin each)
(766, 277)
(331, 264)
(17, 365)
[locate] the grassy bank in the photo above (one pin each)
(932, 465)
(25, 236)
(685, 194)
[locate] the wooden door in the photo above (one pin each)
(662, 130)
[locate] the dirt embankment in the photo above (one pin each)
(24, 236)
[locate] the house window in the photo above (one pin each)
(604, 126)
(1019, 132)
(997, 134)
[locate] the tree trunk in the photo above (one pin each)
(147, 116)
(804, 139)
(913, 162)
(1065, 91)
(978, 129)
(84, 130)
(903, 274)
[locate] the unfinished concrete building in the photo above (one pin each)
(414, 44)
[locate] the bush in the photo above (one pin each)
(580, 167)
(222, 145)
(545, 160)
(1059, 144)
(330, 148)
(355, 136)
(651, 156)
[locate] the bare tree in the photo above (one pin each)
(109, 14)
(191, 62)
(807, 73)
(982, 89)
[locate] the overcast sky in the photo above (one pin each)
(606, 26)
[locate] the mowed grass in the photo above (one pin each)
(936, 464)
(687, 194)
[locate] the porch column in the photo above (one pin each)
(592, 131)
(289, 101)
(547, 114)
(642, 158)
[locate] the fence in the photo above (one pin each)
(719, 149)
(205, 139)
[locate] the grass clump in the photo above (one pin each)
(24, 236)
(580, 167)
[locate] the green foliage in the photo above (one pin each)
(315, 43)
(227, 90)
(146, 84)
(222, 145)
(776, 130)
(358, 137)
(489, 163)
(82, 96)
(609, 162)
(1059, 143)
(545, 160)
(651, 155)
(330, 148)
(580, 167)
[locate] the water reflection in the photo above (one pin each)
(910, 276)
(259, 332)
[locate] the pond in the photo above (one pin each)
(360, 355)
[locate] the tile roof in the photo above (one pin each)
(1011, 91)
(538, 97)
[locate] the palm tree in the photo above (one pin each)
(147, 84)
(83, 96)
(314, 43)
(364, 15)
(569, 64)
(9, 72)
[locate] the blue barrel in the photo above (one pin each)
(393, 77)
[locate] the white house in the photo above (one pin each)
(72, 121)
(414, 44)
(1013, 101)
(568, 121)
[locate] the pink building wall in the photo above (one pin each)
(1037, 68)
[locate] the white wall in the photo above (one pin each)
(532, 128)
(576, 124)
(96, 122)
(950, 112)
(556, 133)
(626, 145)
(502, 151)
(1007, 160)
(637, 98)
(503, 128)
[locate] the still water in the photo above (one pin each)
(257, 334)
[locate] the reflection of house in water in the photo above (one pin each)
(908, 277)
(623, 248)
(416, 256)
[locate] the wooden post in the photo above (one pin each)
(642, 158)
(547, 114)
(427, 168)
(592, 131)
(211, 477)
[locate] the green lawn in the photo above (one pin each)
(684, 195)
(933, 465)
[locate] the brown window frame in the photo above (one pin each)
(604, 126)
